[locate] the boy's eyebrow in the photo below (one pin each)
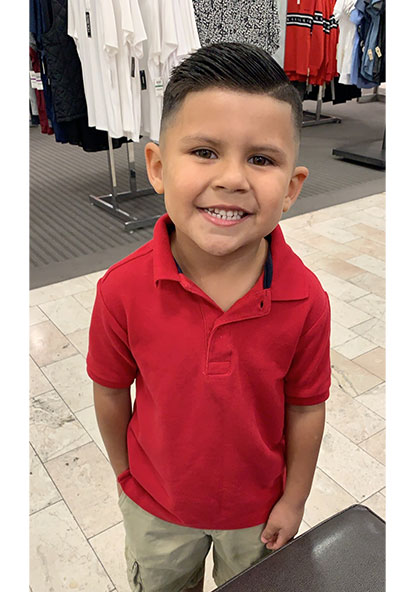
(215, 142)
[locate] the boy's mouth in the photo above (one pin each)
(225, 212)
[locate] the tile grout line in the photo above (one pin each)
(76, 522)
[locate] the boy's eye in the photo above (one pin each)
(261, 160)
(204, 153)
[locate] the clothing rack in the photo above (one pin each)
(369, 153)
(317, 118)
(111, 202)
(375, 96)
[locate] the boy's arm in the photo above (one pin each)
(304, 426)
(113, 412)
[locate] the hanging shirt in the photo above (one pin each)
(92, 24)
(136, 52)
(374, 10)
(342, 12)
(150, 67)
(361, 19)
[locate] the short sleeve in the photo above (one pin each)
(109, 360)
(309, 376)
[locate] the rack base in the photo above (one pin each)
(310, 119)
(110, 205)
(371, 153)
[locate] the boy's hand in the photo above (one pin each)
(282, 524)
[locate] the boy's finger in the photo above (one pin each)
(278, 543)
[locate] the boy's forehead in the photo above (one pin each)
(219, 112)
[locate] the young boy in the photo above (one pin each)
(222, 327)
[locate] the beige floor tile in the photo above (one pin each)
(86, 298)
(289, 224)
(36, 315)
(372, 283)
(54, 430)
(109, 548)
(377, 503)
(355, 347)
(369, 233)
(362, 218)
(95, 276)
(342, 289)
(374, 330)
(346, 463)
(375, 399)
(372, 304)
(67, 314)
(89, 421)
(312, 261)
(58, 290)
(304, 527)
(48, 344)
(370, 264)
(340, 268)
(374, 361)
(326, 498)
(209, 583)
(42, 490)
(345, 314)
(376, 211)
(383, 491)
(38, 383)
(340, 334)
(339, 235)
(80, 340)
(88, 485)
(369, 247)
(351, 418)
(301, 249)
(376, 446)
(335, 221)
(60, 557)
(69, 378)
(350, 377)
(330, 247)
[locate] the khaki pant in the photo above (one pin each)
(166, 557)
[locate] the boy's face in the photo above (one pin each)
(230, 151)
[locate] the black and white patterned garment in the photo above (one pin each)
(243, 21)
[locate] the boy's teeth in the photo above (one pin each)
(225, 214)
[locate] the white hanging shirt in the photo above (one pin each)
(82, 27)
(347, 30)
(108, 48)
(150, 65)
(136, 52)
(92, 25)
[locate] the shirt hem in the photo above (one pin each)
(308, 400)
(108, 383)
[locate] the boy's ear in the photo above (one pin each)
(154, 166)
(300, 175)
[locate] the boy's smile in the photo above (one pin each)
(226, 166)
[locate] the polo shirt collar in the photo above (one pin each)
(288, 280)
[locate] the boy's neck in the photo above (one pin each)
(202, 267)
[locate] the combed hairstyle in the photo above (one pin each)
(233, 66)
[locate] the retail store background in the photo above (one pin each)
(69, 237)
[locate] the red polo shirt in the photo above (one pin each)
(205, 441)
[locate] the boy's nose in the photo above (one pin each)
(232, 177)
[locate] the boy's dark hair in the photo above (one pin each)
(233, 66)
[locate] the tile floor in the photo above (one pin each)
(76, 531)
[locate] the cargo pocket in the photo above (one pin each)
(133, 573)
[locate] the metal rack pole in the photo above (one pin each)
(110, 202)
(317, 118)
